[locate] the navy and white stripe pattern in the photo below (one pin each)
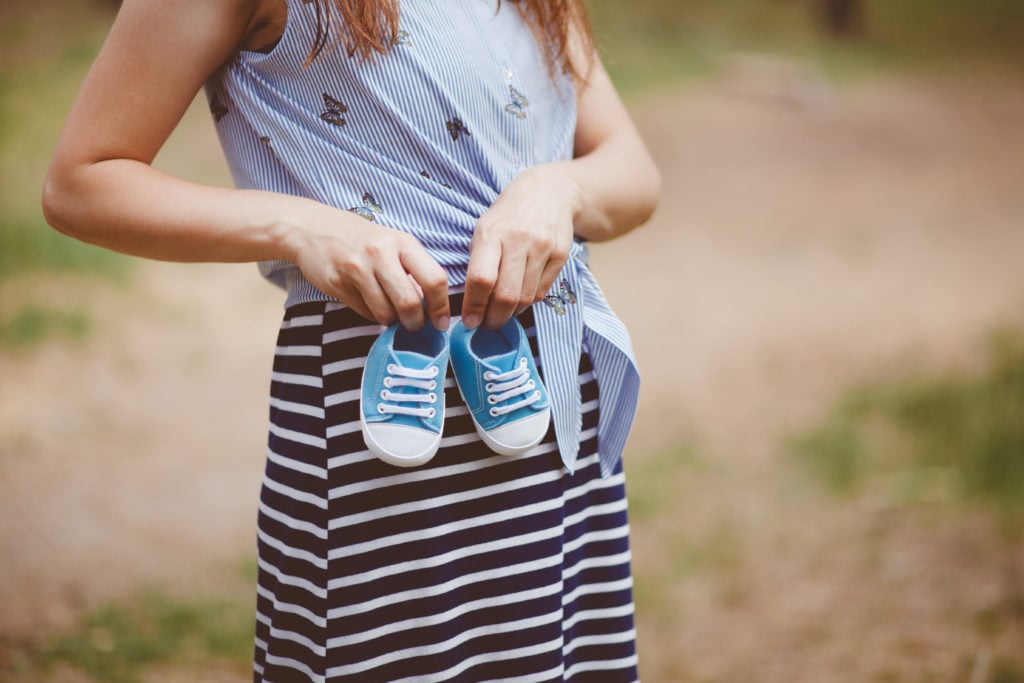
(475, 567)
(432, 132)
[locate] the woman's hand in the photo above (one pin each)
(520, 245)
(381, 273)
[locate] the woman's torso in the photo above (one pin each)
(422, 139)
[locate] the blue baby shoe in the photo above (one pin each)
(500, 385)
(402, 399)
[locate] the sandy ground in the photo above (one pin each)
(809, 239)
(802, 249)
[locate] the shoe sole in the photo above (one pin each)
(391, 458)
(502, 449)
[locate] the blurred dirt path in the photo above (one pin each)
(134, 458)
(803, 244)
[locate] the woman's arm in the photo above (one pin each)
(616, 176)
(610, 187)
(102, 189)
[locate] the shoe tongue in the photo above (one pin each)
(411, 359)
(503, 362)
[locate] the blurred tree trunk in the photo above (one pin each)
(843, 18)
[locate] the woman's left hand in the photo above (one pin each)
(520, 245)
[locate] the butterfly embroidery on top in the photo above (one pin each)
(563, 299)
(265, 139)
(426, 175)
(456, 127)
(403, 38)
(369, 209)
(217, 108)
(333, 110)
(517, 107)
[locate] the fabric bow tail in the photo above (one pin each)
(559, 319)
(573, 314)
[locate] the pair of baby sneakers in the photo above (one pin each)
(402, 396)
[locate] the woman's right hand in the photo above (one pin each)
(381, 273)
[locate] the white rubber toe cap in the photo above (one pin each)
(401, 445)
(519, 436)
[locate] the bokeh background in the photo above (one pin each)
(827, 476)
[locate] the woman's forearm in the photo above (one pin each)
(615, 183)
(130, 207)
(618, 188)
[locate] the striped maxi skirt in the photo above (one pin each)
(474, 567)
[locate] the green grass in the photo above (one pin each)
(654, 480)
(647, 43)
(959, 438)
(31, 324)
(44, 57)
(117, 643)
(1006, 671)
(660, 487)
(28, 244)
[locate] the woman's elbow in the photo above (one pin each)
(58, 200)
(649, 196)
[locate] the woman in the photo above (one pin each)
(387, 157)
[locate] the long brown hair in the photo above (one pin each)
(371, 27)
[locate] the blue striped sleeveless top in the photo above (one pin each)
(423, 140)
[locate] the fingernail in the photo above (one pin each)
(471, 321)
(442, 323)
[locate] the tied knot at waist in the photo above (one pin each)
(573, 315)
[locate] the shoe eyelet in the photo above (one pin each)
(489, 386)
(385, 395)
(435, 371)
(387, 382)
(522, 362)
(433, 385)
(392, 367)
(380, 409)
(432, 396)
(432, 413)
(492, 400)
(536, 396)
(493, 412)
(488, 375)
(531, 384)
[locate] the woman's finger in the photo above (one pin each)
(531, 283)
(432, 281)
(550, 272)
(403, 295)
(377, 301)
(508, 287)
(354, 300)
(547, 279)
(484, 259)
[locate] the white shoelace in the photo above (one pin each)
(399, 376)
(502, 386)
